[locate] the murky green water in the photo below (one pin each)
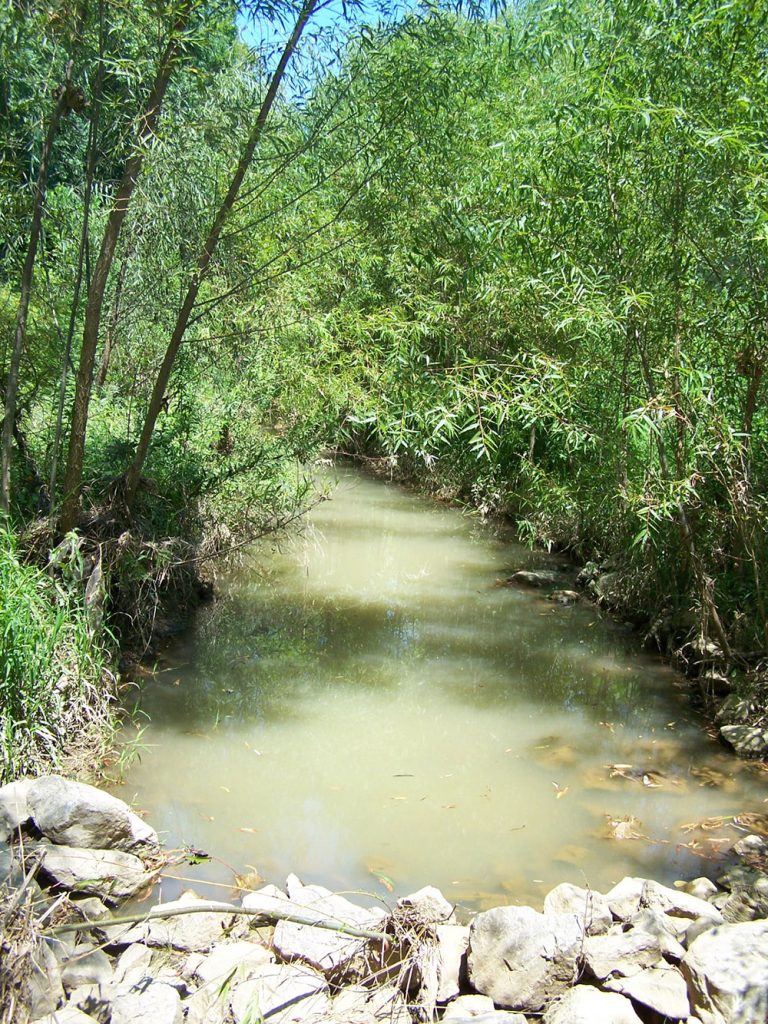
(365, 707)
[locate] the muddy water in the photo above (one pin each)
(366, 708)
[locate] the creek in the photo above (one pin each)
(365, 706)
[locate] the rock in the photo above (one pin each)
(701, 888)
(281, 993)
(564, 597)
(430, 905)
(235, 960)
(67, 1015)
(727, 973)
(631, 895)
(497, 1017)
(657, 925)
(533, 578)
(586, 1005)
(75, 814)
(132, 965)
(94, 1000)
(188, 932)
(661, 988)
(587, 904)
(321, 947)
(697, 928)
(269, 900)
(714, 683)
(14, 809)
(156, 1003)
(452, 941)
(206, 1006)
(734, 710)
(88, 966)
(112, 875)
(466, 1007)
(749, 847)
(90, 909)
(360, 1005)
(746, 740)
(620, 953)
(747, 902)
(42, 990)
(522, 959)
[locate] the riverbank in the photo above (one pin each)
(636, 954)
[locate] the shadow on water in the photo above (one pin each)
(364, 701)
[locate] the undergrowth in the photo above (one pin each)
(56, 691)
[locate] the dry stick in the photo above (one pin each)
(221, 908)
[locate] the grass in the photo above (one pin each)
(56, 692)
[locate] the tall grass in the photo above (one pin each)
(55, 691)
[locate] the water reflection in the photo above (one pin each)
(365, 701)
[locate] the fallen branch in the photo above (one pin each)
(267, 916)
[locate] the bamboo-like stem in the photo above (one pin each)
(213, 907)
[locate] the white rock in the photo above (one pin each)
(587, 904)
(452, 942)
(88, 966)
(359, 1005)
(322, 947)
(586, 1005)
(658, 925)
(14, 809)
(467, 1007)
(430, 905)
(206, 1006)
(155, 1004)
(281, 993)
(232, 959)
(702, 888)
(42, 991)
(132, 965)
(634, 894)
(661, 988)
(522, 959)
(67, 1015)
(112, 875)
(727, 973)
(620, 953)
(270, 899)
(75, 814)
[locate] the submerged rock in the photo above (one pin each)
(523, 959)
(534, 578)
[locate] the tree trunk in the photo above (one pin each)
(12, 384)
(98, 283)
(133, 474)
(114, 317)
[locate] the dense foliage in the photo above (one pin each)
(521, 254)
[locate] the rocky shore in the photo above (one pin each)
(642, 953)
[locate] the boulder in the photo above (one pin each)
(42, 991)
(658, 925)
(523, 959)
(702, 888)
(154, 1003)
(632, 895)
(323, 948)
(746, 740)
(429, 904)
(586, 1005)
(586, 904)
(452, 942)
(726, 969)
(564, 597)
(206, 1006)
(661, 988)
(112, 875)
(620, 953)
(75, 814)
(269, 900)
(132, 965)
(281, 994)
(14, 809)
